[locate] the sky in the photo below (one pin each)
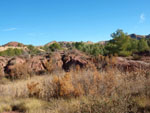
(38, 22)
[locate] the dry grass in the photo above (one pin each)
(28, 105)
(18, 88)
(79, 91)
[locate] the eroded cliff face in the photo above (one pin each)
(131, 65)
(65, 60)
(40, 64)
(3, 63)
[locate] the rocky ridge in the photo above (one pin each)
(40, 64)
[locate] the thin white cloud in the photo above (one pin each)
(10, 29)
(142, 18)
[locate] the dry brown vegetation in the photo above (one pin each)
(78, 91)
(19, 71)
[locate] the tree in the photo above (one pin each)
(111, 48)
(143, 45)
(148, 42)
(120, 44)
(134, 45)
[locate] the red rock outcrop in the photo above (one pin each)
(20, 65)
(74, 58)
(3, 63)
(14, 44)
(131, 65)
(56, 58)
(14, 66)
(40, 64)
(33, 65)
(37, 64)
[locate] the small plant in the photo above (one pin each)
(34, 89)
(63, 86)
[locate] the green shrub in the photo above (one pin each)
(125, 53)
(55, 46)
(11, 52)
(32, 49)
(91, 49)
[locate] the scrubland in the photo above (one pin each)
(78, 91)
(77, 77)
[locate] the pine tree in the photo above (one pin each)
(143, 45)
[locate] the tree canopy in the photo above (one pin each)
(123, 45)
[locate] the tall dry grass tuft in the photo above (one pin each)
(19, 88)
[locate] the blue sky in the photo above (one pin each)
(38, 22)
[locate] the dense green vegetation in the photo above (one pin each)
(11, 52)
(53, 47)
(121, 44)
(92, 49)
(33, 50)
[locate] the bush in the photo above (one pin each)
(54, 47)
(73, 85)
(34, 89)
(125, 53)
(33, 50)
(91, 49)
(63, 86)
(81, 91)
(11, 52)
